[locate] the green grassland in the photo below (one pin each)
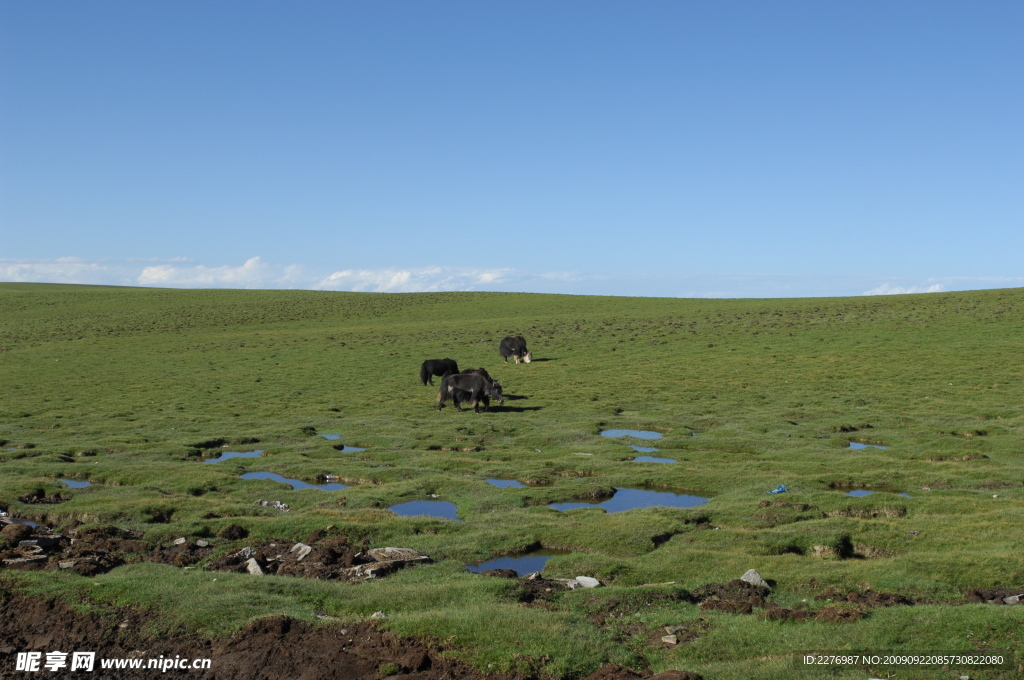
(122, 386)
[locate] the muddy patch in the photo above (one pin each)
(631, 499)
(321, 556)
(88, 552)
(294, 483)
(40, 497)
(442, 509)
(274, 647)
(867, 598)
(999, 596)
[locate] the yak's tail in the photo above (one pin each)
(424, 373)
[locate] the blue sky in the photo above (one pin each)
(699, 149)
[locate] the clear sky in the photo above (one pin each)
(732, 149)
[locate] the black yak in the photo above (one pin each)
(438, 367)
(480, 371)
(515, 348)
(471, 388)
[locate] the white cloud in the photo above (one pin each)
(62, 270)
(427, 279)
(255, 273)
(889, 289)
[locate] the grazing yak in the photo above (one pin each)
(438, 367)
(515, 348)
(479, 371)
(471, 388)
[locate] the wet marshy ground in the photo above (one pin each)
(528, 563)
(506, 483)
(442, 509)
(294, 483)
(632, 499)
(228, 455)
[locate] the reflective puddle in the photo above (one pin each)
(858, 445)
(644, 449)
(631, 499)
(234, 454)
(76, 484)
(652, 459)
(19, 520)
(332, 437)
(294, 483)
(505, 484)
(868, 492)
(343, 448)
(638, 434)
(442, 509)
(522, 565)
(860, 492)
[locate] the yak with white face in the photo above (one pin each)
(515, 347)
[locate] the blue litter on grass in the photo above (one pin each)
(781, 488)
(76, 485)
(506, 484)
(632, 499)
(442, 509)
(638, 434)
(294, 483)
(234, 454)
(652, 459)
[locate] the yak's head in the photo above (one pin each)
(528, 357)
(495, 392)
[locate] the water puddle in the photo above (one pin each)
(638, 434)
(522, 565)
(858, 445)
(332, 437)
(19, 520)
(860, 492)
(442, 509)
(644, 449)
(344, 449)
(294, 483)
(75, 484)
(652, 459)
(631, 499)
(234, 454)
(505, 484)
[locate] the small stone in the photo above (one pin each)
(1013, 599)
(253, 567)
(754, 579)
(378, 615)
(66, 565)
(670, 639)
(179, 541)
(302, 549)
(587, 582)
(390, 554)
(202, 544)
(245, 553)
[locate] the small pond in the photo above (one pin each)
(868, 492)
(505, 484)
(638, 434)
(19, 520)
(442, 509)
(858, 445)
(522, 565)
(644, 449)
(76, 484)
(652, 459)
(294, 483)
(332, 437)
(227, 455)
(343, 448)
(631, 499)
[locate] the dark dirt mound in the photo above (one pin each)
(536, 588)
(735, 597)
(324, 557)
(868, 598)
(995, 595)
(614, 671)
(233, 532)
(39, 497)
(179, 554)
(267, 649)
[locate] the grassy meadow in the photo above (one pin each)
(130, 389)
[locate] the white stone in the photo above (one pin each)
(179, 541)
(754, 579)
(587, 582)
(302, 549)
(253, 567)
